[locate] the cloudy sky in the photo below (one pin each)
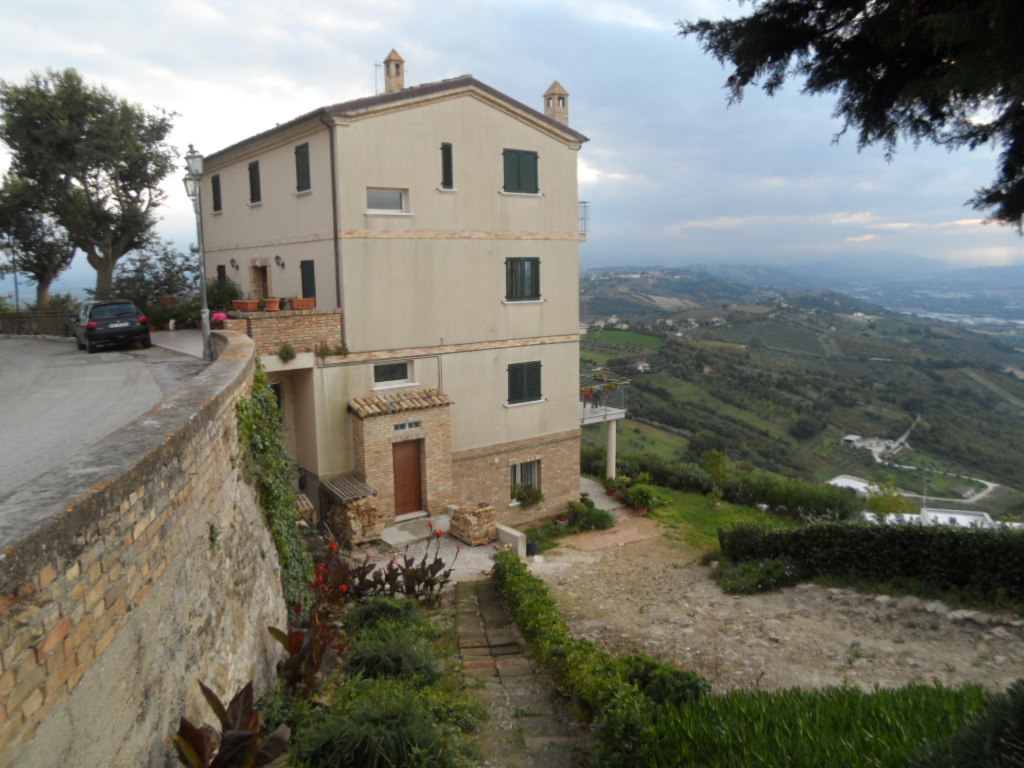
(674, 177)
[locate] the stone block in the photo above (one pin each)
(512, 537)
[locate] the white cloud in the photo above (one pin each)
(861, 239)
(590, 175)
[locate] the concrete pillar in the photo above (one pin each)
(610, 469)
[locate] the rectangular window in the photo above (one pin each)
(447, 170)
(215, 186)
(527, 473)
(524, 382)
(385, 199)
(222, 274)
(255, 195)
(408, 425)
(302, 178)
(521, 171)
(522, 279)
(388, 373)
(308, 271)
(278, 389)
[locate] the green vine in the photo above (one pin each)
(271, 470)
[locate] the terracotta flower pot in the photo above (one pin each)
(246, 305)
(302, 304)
(272, 305)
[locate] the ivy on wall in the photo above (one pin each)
(272, 471)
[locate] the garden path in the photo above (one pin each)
(530, 726)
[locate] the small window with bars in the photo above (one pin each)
(391, 373)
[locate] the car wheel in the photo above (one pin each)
(147, 342)
(91, 346)
(79, 343)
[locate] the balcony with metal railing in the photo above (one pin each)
(584, 220)
(603, 399)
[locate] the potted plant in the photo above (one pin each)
(527, 495)
(587, 392)
(272, 305)
(246, 305)
(641, 498)
(309, 303)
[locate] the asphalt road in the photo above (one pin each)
(56, 401)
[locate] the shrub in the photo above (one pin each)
(388, 726)
(983, 561)
(661, 683)
(286, 353)
(377, 610)
(995, 740)
(755, 576)
(391, 650)
(595, 520)
(642, 496)
(527, 495)
(286, 707)
(622, 717)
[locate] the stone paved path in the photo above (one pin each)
(529, 725)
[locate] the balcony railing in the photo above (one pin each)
(584, 220)
(603, 398)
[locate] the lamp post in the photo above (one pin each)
(193, 187)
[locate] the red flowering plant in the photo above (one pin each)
(421, 579)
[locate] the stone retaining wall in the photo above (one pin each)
(304, 329)
(142, 566)
(36, 323)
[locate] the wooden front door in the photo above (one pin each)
(408, 490)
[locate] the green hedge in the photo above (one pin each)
(988, 561)
(620, 698)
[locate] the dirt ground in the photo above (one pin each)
(653, 597)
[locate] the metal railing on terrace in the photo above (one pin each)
(584, 220)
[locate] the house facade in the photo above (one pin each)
(437, 227)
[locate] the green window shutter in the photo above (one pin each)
(254, 182)
(533, 277)
(528, 180)
(512, 170)
(516, 384)
(522, 279)
(222, 274)
(302, 177)
(215, 186)
(510, 278)
(532, 380)
(447, 169)
(308, 271)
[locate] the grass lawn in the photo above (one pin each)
(636, 437)
(697, 524)
(600, 358)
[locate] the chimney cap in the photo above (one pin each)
(556, 89)
(395, 56)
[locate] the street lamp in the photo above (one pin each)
(193, 187)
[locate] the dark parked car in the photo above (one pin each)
(117, 321)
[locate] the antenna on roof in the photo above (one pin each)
(377, 65)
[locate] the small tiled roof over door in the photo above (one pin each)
(345, 487)
(398, 402)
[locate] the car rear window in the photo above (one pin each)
(107, 311)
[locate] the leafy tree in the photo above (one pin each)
(950, 72)
(157, 270)
(887, 500)
(36, 245)
(716, 464)
(91, 159)
(806, 427)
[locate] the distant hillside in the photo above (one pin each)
(779, 386)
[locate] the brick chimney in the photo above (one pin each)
(394, 72)
(556, 103)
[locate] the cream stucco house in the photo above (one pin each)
(437, 226)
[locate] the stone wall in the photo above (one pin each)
(141, 566)
(483, 475)
(304, 329)
(36, 323)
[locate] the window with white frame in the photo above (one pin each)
(379, 199)
(526, 474)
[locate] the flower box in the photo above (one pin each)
(246, 305)
(272, 305)
(302, 303)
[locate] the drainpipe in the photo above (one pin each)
(335, 217)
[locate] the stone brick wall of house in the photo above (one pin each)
(304, 329)
(374, 437)
(153, 570)
(481, 479)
